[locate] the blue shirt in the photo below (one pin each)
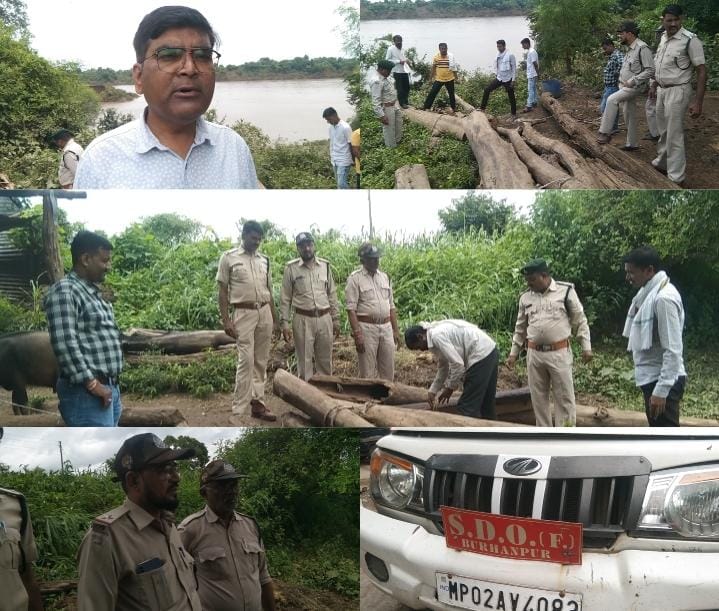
(131, 157)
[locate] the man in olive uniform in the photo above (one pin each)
(679, 52)
(549, 312)
(372, 316)
(18, 589)
(308, 288)
(245, 283)
(227, 547)
(132, 558)
(384, 104)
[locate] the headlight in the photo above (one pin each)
(686, 502)
(395, 481)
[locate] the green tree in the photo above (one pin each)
(171, 229)
(110, 119)
(13, 13)
(476, 210)
(184, 441)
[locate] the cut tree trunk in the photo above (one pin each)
(387, 415)
(295, 421)
(463, 104)
(57, 587)
(173, 342)
(373, 389)
(611, 155)
(50, 238)
(436, 123)
(507, 403)
(412, 176)
(547, 175)
(323, 410)
(162, 359)
(499, 166)
(131, 416)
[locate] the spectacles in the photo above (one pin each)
(168, 469)
(171, 59)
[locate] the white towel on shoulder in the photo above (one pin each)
(639, 325)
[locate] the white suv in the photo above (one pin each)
(551, 520)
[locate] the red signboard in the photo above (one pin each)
(510, 537)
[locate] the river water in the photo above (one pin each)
(473, 40)
(287, 110)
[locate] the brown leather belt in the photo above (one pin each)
(372, 321)
(313, 313)
(249, 305)
(548, 347)
(674, 85)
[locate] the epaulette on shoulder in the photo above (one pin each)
(191, 518)
(688, 34)
(570, 284)
(323, 260)
(293, 261)
(107, 519)
(250, 518)
(13, 493)
(356, 271)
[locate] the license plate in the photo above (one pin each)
(511, 537)
(469, 593)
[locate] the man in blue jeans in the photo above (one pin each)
(85, 337)
(611, 74)
(532, 74)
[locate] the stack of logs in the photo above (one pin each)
(356, 402)
(527, 159)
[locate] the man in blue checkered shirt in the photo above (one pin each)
(85, 337)
(611, 74)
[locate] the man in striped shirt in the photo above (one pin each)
(85, 337)
(444, 71)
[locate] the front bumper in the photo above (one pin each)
(629, 579)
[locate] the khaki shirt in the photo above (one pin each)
(543, 317)
(369, 294)
(248, 276)
(231, 563)
(17, 550)
(638, 64)
(110, 559)
(69, 158)
(308, 286)
(383, 92)
(675, 57)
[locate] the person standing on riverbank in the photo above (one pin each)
(70, 152)
(340, 147)
(505, 69)
(532, 75)
(384, 104)
(400, 70)
(171, 146)
(444, 73)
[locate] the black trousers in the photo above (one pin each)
(436, 86)
(480, 387)
(496, 84)
(401, 84)
(670, 415)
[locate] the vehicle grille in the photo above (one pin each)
(604, 494)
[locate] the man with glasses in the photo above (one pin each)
(171, 146)
(132, 558)
(227, 547)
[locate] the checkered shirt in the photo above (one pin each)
(612, 69)
(83, 331)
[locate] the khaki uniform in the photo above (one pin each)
(544, 319)
(113, 559)
(675, 58)
(371, 295)
(249, 281)
(17, 549)
(231, 563)
(309, 290)
(69, 158)
(637, 69)
(384, 104)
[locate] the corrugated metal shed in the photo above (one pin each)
(17, 267)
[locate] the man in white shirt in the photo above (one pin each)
(70, 152)
(340, 147)
(653, 328)
(532, 75)
(400, 71)
(466, 355)
(505, 68)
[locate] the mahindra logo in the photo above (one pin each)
(522, 466)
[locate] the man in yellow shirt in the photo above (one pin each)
(444, 71)
(355, 144)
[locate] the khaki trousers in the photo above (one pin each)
(552, 370)
(627, 98)
(377, 360)
(650, 110)
(672, 104)
(393, 131)
(254, 340)
(313, 338)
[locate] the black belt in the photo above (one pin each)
(674, 85)
(104, 379)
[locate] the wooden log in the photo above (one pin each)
(323, 410)
(57, 587)
(436, 123)
(173, 342)
(463, 104)
(499, 166)
(387, 415)
(368, 389)
(505, 401)
(131, 416)
(295, 421)
(611, 155)
(547, 175)
(160, 359)
(412, 176)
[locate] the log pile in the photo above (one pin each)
(131, 416)
(413, 176)
(522, 158)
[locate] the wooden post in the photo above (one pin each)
(50, 238)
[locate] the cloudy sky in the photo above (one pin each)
(396, 212)
(87, 447)
(99, 34)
